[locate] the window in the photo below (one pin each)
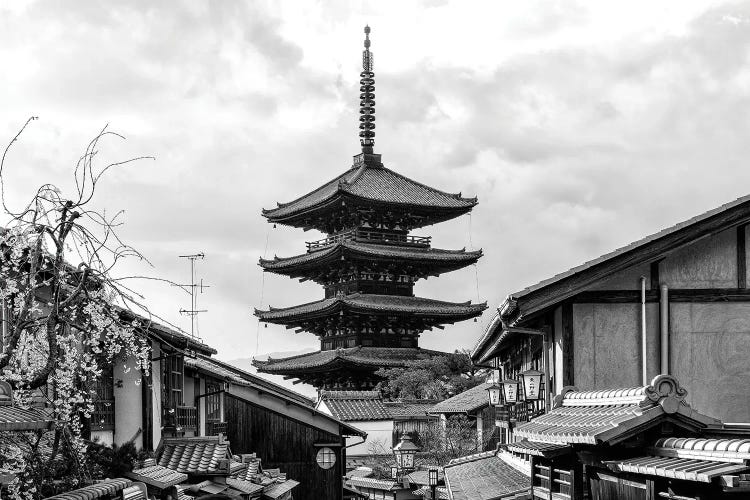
(326, 458)
(103, 417)
(172, 379)
(213, 401)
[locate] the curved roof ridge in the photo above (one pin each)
(335, 181)
(456, 196)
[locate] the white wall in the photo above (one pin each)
(128, 401)
(156, 394)
(379, 435)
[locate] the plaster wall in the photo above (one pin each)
(379, 438)
(156, 394)
(607, 345)
(709, 346)
(128, 402)
(707, 263)
(629, 279)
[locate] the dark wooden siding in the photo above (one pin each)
(286, 443)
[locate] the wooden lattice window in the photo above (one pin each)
(173, 375)
(213, 401)
(103, 417)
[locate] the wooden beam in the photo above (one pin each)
(654, 274)
(741, 258)
(567, 344)
(675, 295)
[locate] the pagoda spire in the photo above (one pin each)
(367, 98)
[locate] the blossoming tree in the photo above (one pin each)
(63, 314)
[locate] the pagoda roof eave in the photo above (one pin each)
(374, 304)
(453, 259)
(364, 358)
(368, 184)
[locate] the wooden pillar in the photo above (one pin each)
(741, 262)
(567, 344)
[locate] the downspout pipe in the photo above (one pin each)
(644, 372)
(664, 327)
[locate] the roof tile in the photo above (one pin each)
(467, 401)
(483, 476)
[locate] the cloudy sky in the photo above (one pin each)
(580, 127)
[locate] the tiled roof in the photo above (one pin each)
(108, 488)
(361, 471)
(375, 304)
(208, 366)
(368, 482)
(483, 476)
(610, 416)
(369, 250)
(423, 476)
(157, 476)
(376, 184)
(192, 455)
(467, 401)
(244, 486)
(13, 418)
(355, 405)
(677, 468)
(538, 449)
(369, 356)
(277, 489)
(706, 449)
(424, 491)
(409, 408)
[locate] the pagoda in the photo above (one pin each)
(367, 265)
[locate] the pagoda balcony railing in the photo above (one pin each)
(370, 237)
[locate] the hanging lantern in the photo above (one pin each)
(510, 391)
(493, 394)
(404, 452)
(532, 385)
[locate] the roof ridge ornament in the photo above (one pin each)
(666, 391)
(367, 98)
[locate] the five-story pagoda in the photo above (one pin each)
(368, 264)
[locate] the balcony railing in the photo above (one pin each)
(187, 417)
(370, 237)
(103, 417)
(516, 414)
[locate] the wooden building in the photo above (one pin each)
(636, 443)
(474, 404)
(675, 302)
(369, 317)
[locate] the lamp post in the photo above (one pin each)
(432, 479)
(404, 453)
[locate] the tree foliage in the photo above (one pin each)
(435, 378)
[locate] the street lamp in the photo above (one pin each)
(404, 453)
(532, 385)
(432, 479)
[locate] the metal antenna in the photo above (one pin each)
(367, 98)
(194, 287)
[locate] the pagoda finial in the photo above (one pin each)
(367, 98)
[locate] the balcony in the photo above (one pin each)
(187, 417)
(519, 413)
(370, 237)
